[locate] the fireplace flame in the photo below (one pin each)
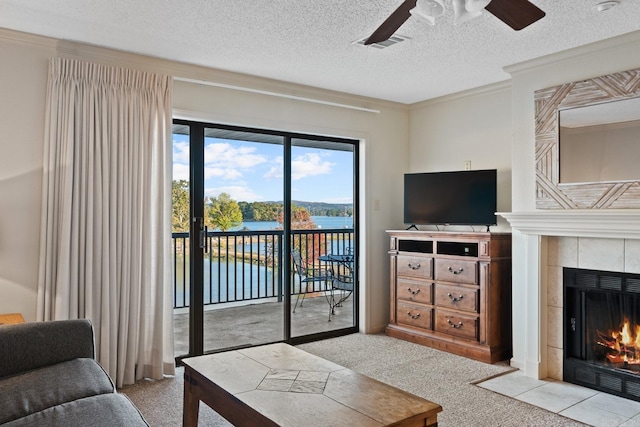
(623, 344)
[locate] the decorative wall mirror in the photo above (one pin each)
(587, 141)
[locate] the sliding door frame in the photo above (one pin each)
(196, 262)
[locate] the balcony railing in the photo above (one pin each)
(247, 265)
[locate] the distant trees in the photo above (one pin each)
(180, 206)
(268, 211)
(324, 209)
(260, 211)
(300, 218)
(313, 245)
(222, 212)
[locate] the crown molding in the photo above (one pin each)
(489, 89)
(579, 52)
(202, 75)
(13, 36)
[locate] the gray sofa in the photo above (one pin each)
(49, 377)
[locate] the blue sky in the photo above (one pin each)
(253, 171)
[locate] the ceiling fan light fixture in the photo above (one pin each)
(428, 10)
(476, 5)
(606, 5)
(462, 14)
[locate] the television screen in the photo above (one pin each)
(451, 198)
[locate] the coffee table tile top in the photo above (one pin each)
(305, 409)
(294, 381)
(225, 370)
(286, 357)
(292, 387)
(308, 387)
(373, 397)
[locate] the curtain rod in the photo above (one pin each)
(280, 95)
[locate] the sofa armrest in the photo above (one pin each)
(34, 345)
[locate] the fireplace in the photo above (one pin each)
(602, 331)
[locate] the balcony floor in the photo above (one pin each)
(260, 323)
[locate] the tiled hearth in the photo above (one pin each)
(582, 404)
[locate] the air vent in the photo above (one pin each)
(612, 283)
(633, 285)
(394, 39)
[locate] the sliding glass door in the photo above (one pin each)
(260, 205)
(322, 233)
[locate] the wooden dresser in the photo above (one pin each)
(452, 291)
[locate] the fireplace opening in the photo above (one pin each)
(602, 331)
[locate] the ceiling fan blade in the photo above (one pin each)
(517, 14)
(392, 23)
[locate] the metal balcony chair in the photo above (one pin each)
(308, 275)
(341, 285)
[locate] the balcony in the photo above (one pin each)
(244, 287)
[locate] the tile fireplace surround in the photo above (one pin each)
(543, 243)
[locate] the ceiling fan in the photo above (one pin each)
(517, 14)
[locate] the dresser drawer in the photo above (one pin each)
(459, 271)
(456, 297)
(414, 290)
(457, 325)
(414, 266)
(414, 315)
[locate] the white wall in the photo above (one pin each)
(23, 77)
(23, 83)
(470, 126)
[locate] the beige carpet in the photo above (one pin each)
(440, 377)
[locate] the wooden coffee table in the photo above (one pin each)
(280, 385)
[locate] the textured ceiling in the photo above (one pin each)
(310, 42)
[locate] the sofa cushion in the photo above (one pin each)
(32, 391)
(34, 345)
(105, 410)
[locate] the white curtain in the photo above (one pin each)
(105, 251)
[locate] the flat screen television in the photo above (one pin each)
(451, 198)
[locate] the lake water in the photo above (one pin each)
(322, 222)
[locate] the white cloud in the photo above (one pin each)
(339, 200)
(309, 164)
(237, 192)
(276, 171)
(224, 173)
(180, 171)
(225, 155)
(181, 152)
(222, 160)
(180, 160)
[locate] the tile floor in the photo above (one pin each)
(579, 403)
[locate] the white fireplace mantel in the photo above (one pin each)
(531, 352)
(622, 224)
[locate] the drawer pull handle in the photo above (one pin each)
(453, 325)
(458, 271)
(413, 316)
(414, 266)
(417, 291)
(455, 299)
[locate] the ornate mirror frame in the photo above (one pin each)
(550, 193)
